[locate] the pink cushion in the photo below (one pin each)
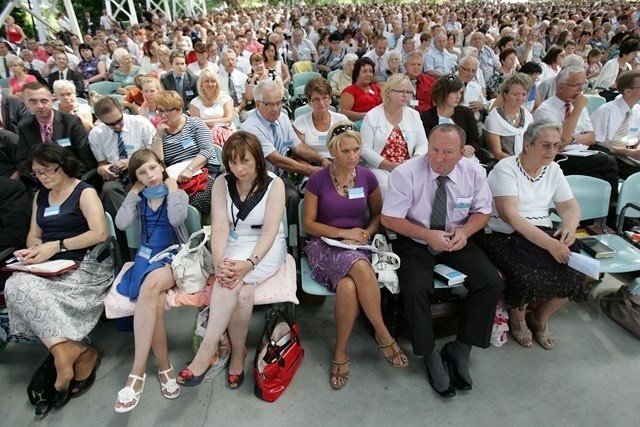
(281, 287)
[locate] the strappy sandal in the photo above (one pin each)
(129, 396)
(169, 388)
(336, 376)
(521, 335)
(542, 333)
(396, 354)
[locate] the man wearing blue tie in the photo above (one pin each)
(181, 79)
(276, 135)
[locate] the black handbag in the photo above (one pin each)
(41, 389)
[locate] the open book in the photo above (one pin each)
(48, 268)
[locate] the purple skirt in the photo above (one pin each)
(329, 264)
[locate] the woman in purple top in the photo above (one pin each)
(335, 205)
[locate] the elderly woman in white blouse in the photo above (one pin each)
(313, 126)
(392, 132)
(65, 93)
(343, 78)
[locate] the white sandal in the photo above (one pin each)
(128, 395)
(169, 389)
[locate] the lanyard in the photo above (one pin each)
(146, 232)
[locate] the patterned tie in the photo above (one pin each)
(122, 151)
(179, 85)
(439, 213)
(277, 141)
(232, 92)
(567, 110)
(379, 69)
(48, 133)
(623, 131)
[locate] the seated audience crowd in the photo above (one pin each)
(453, 127)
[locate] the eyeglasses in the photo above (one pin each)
(343, 128)
(160, 111)
(404, 92)
(468, 70)
(116, 123)
(546, 146)
(46, 172)
(581, 84)
(271, 104)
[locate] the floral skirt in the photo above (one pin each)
(525, 284)
(329, 264)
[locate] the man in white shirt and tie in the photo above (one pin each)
(380, 58)
(5, 57)
(232, 81)
(30, 62)
(617, 124)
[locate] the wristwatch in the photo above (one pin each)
(63, 248)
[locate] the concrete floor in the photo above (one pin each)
(589, 379)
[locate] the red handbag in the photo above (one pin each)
(278, 356)
(196, 183)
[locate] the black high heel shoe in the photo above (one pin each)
(448, 392)
(235, 381)
(459, 382)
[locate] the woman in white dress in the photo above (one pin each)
(213, 106)
(248, 246)
(505, 126)
(313, 126)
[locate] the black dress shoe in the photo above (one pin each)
(450, 364)
(60, 398)
(78, 388)
(448, 392)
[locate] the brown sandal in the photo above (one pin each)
(397, 352)
(337, 375)
(542, 333)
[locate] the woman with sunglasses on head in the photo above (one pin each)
(181, 138)
(248, 246)
(392, 133)
(338, 200)
(67, 224)
(447, 94)
(161, 207)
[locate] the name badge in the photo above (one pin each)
(233, 235)
(186, 143)
(188, 92)
(64, 142)
(51, 211)
(633, 132)
(323, 139)
(414, 103)
(287, 144)
(372, 92)
(356, 193)
(129, 148)
(462, 204)
(144, 252)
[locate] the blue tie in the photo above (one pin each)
(277, 141)
(122, 151)
(179, 85)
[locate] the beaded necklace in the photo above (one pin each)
(344, 188)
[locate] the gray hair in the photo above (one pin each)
(532, 133)
(413, 55)
(450, 128)
(466, 59)
(395, 53)
(60, 85)
(349, 58)
(119, 53)
(566, 73)
(469, 51)
(572, 60)
(265, 85)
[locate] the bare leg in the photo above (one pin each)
(368, 295)
(238, 327)
(346, 313)
(159, 342)
(224, 304)
(150, 301)
(541, 319)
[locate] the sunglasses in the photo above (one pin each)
(343, 128)
(116, 123)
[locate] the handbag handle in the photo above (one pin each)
(201, 244)
(270, 322)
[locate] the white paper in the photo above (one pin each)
(633, 159)
(174, 170)
(576, 153)
(339, 244)
(585, 265)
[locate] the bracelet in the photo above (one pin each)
(253, 264)
(190, 169)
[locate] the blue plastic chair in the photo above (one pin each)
(193, 224)
(593, 195)
(628, 197)
(331, 74)
(104, 88)
(595, 102)
(301, 79)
